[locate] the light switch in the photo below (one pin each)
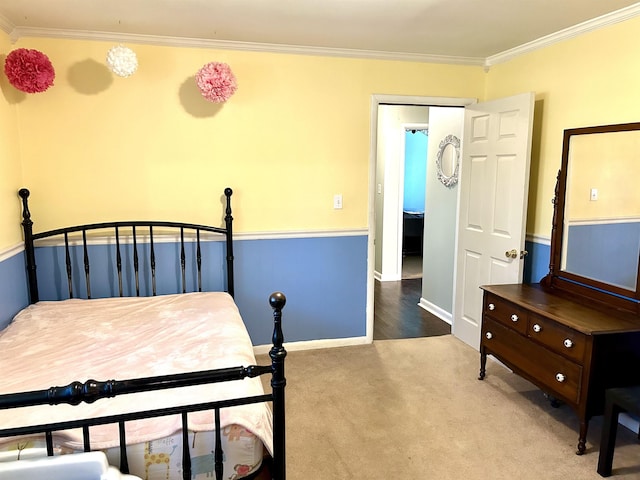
(337, 201)
(594, 194)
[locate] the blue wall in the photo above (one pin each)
(536, 263)
(323, 278)
(14, 290)
(52, 268)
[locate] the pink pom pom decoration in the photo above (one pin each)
(29, 70)
(216, 82)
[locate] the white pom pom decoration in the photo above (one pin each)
(122, 61)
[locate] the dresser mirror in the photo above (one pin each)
(595, 240)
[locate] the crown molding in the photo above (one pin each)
(6, 26)
(17, 32)
(20, 32)
(571, 32)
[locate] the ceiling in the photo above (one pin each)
(464, 30)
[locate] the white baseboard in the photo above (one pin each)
(394, 277)
(437, 311)
(387, 278)
(314, 344)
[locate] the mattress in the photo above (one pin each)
(121, 338)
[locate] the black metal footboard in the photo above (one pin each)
(93, 390)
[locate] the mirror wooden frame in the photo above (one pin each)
(571, 283)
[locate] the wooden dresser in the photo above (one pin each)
(568, 348)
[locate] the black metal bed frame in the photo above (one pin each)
(93, 390)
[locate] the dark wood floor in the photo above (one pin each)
(397, 314)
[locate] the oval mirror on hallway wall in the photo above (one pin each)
(448, 160)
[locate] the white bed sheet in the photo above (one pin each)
(121, 338)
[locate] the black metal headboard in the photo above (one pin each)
(134, 227)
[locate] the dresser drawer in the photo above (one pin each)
(551, 372)
(557, 337)
(507, 313)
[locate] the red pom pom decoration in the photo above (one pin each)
(216, 82)
(29, 70)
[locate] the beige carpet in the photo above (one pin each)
(414, 409)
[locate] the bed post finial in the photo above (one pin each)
(228, 220)
(27, 228)
(277, 301)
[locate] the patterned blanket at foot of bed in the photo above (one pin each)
(162, 459)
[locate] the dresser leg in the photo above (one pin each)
(483, 365)
(582, 439)
(555, 403)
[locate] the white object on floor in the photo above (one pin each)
(77, 466)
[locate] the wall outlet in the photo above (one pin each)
(337, 201)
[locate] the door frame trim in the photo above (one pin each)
(376, 100)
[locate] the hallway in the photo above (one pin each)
(396, 310)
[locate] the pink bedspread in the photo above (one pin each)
(55, 343)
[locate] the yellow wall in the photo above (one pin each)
(10, 174)
(592, 79)
(98, 147)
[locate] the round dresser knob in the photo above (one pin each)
(514, 318)
(560, 377)
(537, 328)
(489, 335)
(568, 343)
(492, 306)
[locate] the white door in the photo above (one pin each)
(494, 185)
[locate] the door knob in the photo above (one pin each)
(523, 253)
(511, 253)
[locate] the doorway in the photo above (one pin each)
(377, 211)
(493, 178)
(428, 298)
(416, 141)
